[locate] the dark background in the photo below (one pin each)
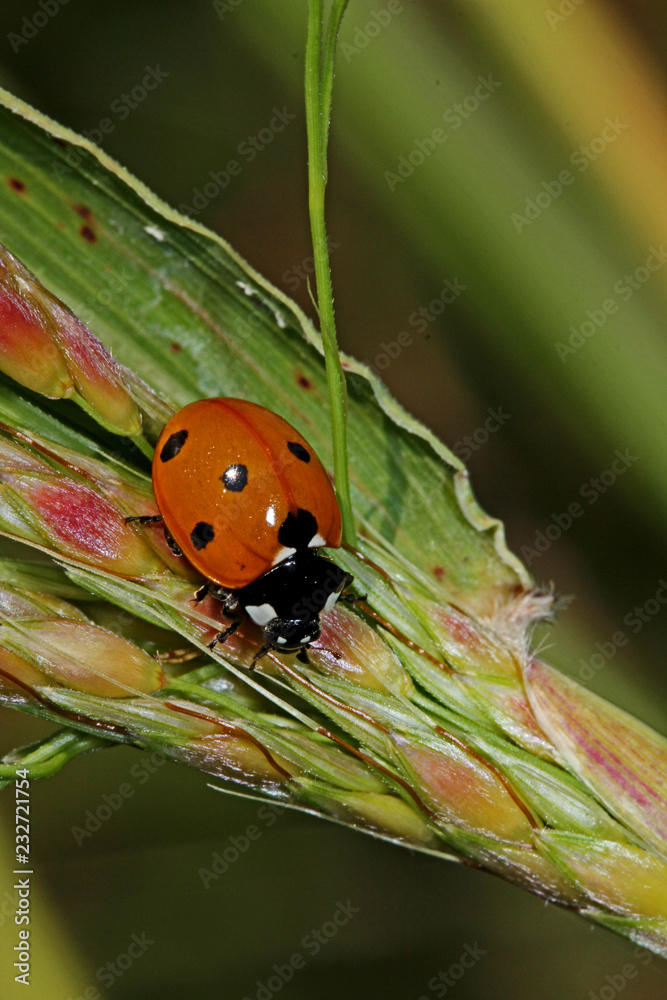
(139, 872)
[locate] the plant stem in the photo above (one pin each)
(331, 39)
(318, 88)
(47, 757)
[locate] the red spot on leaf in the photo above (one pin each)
(438, 572)
(176, 348)
(16, 185)
(88, 234)
(83, 211)
(303, 381)
(461, 631)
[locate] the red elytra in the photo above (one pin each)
(235, 484)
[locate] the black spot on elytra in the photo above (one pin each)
(173, 445)
(299, 451)
(16, 185)
(202, 534)
(297, 529)
(88, 234)
(235, 478)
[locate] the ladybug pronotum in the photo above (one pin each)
(243, 496)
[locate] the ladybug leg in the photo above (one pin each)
(202, 593)
(228, 599)
(222, 636)
(230, 606)
(145, 519)
(262, 651)
(302, 655)
(171, 543)
(351, 598)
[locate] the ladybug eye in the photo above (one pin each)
(235, 478)
(299, 451)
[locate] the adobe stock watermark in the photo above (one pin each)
(31, 26)
(634, 621)
(581, 159)
(116, 284)
(295, 275)
(591, 492)
(623, 290)
(618, 981)
(224, 7)
(311, 943)
(468, 445)
(111, 972)
(454, 116)
(94, 818)
(565, 9)
(119, 109)
(238, 844)
(248, 150)
(364, 34)
(422, 494)
(420, 320)
(440, 985)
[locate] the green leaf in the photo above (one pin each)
(175, 303)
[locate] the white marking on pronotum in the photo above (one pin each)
(316, 542)
(154, 232)
(281, 640)
(261, 614)
(281, 556)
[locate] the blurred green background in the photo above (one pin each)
(497, 188)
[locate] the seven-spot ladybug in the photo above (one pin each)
(244, 497)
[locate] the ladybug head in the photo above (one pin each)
(291, 634)
(287, 601)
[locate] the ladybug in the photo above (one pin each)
(243, 496)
